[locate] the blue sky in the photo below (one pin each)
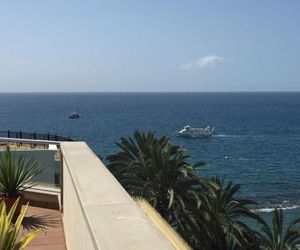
(149, 45)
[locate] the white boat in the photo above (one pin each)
(74, 115)
(188, 131)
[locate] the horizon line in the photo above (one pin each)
(148, 92)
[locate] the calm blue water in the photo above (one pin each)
(259, 132)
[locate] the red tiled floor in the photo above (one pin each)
(52, 234)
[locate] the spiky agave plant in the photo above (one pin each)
(9, 230)
(17, 173)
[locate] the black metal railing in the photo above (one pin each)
(34, 136)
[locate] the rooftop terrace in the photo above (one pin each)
(88, 208)
(52, 234)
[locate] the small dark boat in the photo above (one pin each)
(74, 115)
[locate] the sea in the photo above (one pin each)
(256, 142)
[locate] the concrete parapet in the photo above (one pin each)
(97, 212)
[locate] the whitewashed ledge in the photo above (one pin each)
(97, 212)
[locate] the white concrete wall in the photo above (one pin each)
(97, 212)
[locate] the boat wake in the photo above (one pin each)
(225, 136)
(271, 209)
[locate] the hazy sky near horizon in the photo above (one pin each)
(156, 45)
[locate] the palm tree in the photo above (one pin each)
(275, 237)
(221, 219)
(157, 171)
(207, 214)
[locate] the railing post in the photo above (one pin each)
(34, 135)
(21, 136)
(8, 133)
(48, 137)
